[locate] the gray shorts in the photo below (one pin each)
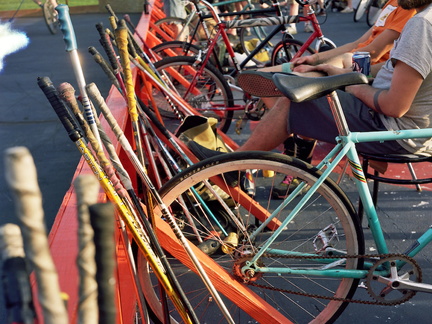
(314, 119)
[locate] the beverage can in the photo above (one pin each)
(361, 62)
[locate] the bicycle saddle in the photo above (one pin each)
(298, 88)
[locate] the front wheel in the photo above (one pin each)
(285, 50)
(360, 10)
(326, 224)
(211, 96)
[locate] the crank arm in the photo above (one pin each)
(412, 285)
(401, 284)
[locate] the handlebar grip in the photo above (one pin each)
(66, 27)
(60, 109)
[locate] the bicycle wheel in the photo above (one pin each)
(210, 97)
(360, 9)
(285, 50)
(374, 11)
(252, 36)
(178, 48)
(325, 224)
(51, 17)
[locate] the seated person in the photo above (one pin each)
(378, 41)
(399, 97)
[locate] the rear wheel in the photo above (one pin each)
(211, 96)
(176, 48)
(325, 225)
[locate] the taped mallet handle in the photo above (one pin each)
(107, 46)
(71, 47)
(17, 293)
(87, 191)
(128, 217)
(21, 177)
(60, 109)
(95, 94)
(105, 67)
(102, 221)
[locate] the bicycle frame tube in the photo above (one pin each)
(317, 33)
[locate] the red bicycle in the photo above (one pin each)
(208, 86)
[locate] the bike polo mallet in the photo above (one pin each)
(71, 47)
(21, 177)
(76, 136)
(17, 294)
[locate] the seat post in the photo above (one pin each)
(338, 113)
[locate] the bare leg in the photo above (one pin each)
(271, 130)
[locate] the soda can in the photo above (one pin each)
(361, 62)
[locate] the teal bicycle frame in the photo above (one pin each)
(345, 147)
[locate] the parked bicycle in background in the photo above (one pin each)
(50, 15)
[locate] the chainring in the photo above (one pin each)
(383, 291)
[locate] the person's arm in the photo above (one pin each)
(397, 100)
(382, 44)
(322, 57)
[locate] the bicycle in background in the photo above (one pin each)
(205, 83)
(372, 8)
(49, 14)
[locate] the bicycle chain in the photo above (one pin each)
(357, 301)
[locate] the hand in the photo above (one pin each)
(308, 60)
(304, 68)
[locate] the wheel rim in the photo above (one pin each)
(292, 307)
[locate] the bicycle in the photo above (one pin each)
(303, 256)
(372, 8)
(200, 70)
(373, 11)
(49, 14)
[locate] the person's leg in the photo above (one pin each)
(348, 8)
(271, 131)
(294, 11)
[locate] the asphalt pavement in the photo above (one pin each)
(28, 120)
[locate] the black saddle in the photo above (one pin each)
(298, 88)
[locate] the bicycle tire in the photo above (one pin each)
(360, 10)
(374, 11)
(285, 50)
(250, 37)
(50, 17)
(329, 205)
(324, 45)
(178, 47)
(214, 93)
